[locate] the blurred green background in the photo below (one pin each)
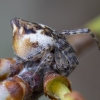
(58, 14)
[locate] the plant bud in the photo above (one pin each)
(8, 68)
(14, 89)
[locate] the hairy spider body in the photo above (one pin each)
(32, 41)
(29, 38)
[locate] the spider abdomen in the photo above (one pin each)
(29, 38)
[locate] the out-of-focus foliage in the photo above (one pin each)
(94, 25)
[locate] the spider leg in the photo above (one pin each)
(65, 72)
(45, 61)
(44, 50)
(60, 60)
(71, 57)
(30, 57)
(67, 56)
(82, 31)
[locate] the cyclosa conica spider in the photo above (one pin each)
(34, 41)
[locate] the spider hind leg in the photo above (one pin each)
(82, 31)
(61, 61)
(67, 58)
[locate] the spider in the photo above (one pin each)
(34, 41)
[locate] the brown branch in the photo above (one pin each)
(80, 42)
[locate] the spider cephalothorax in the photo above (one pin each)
(33, 41)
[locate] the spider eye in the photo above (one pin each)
(29, 31)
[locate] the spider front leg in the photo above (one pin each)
(82, 31)
(31, 56)
(45, 61)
